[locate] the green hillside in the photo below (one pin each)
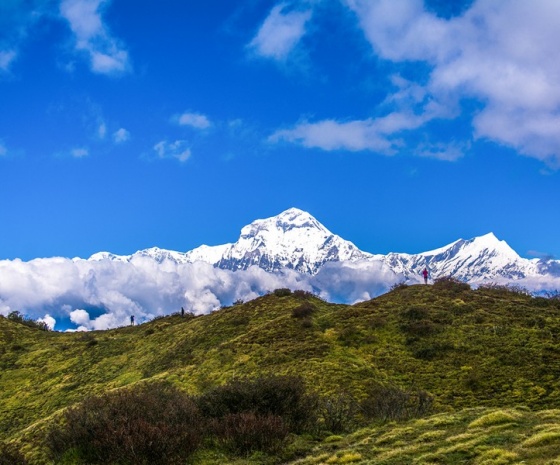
(486, 350)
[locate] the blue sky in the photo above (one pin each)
(400, 125)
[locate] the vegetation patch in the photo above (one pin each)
(495, 418)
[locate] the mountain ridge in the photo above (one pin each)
(295, 240)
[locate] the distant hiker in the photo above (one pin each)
(131, 320)
(182, 311)
(425, 274)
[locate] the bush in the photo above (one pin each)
(504, 289)
(10, 455)
(300, 294)
(415, 313)
(151, 424)
(338, 413)
(388, 403)
(282, 396)
(245, 432)
(19, 318)
(305, 310)
(449, 283)
(283, 292)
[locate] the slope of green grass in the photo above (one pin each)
(474, 436)
(484, 348)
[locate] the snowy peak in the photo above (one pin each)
(476, 259)
(154, 253)
(487, 246)
(293, 239)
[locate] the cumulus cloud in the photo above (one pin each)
(412, 108)
(92, 37)
(178, 150)
(120, 136)
(194, 120)
(68, 290)
(280, 33)
(48, 320)
(103, 293)
(352, 282)
(502, 55)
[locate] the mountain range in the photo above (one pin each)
(295, 240)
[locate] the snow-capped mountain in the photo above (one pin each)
(480, 259)
(154, 253)
(293, 239)
(296, 240)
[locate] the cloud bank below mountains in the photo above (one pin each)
(101, 294)
(93, 295)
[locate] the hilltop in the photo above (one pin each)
(491, 348)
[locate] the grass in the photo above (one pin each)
(430, 441)
(490, 349)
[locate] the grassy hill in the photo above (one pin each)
(478, 353)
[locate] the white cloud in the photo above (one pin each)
(80, 317)
(61, 289)
(280, 33)
(3, 149)
(64, 288)
(195, 120)
(178, 150)
(371, 134)
(501, 53)
(7, 57)
(106, 54)
(48, 320)
(79, 152)
(120, 136)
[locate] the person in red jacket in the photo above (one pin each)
(425, 274)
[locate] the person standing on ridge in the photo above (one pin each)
(425, 274)
(131, 320)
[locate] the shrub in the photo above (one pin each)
(19, 318)
(245, 432)
(415, 313)
(421, 328)
(338, 413)
(10, 455)
(387, 403)
(151, 424)
(302, 294)
(305, 310)
(501, 289)
(283, 292)
(451, 284)
(282, 396)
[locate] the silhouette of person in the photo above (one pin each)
(182, 311)
(425, 274)
(131, 320)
